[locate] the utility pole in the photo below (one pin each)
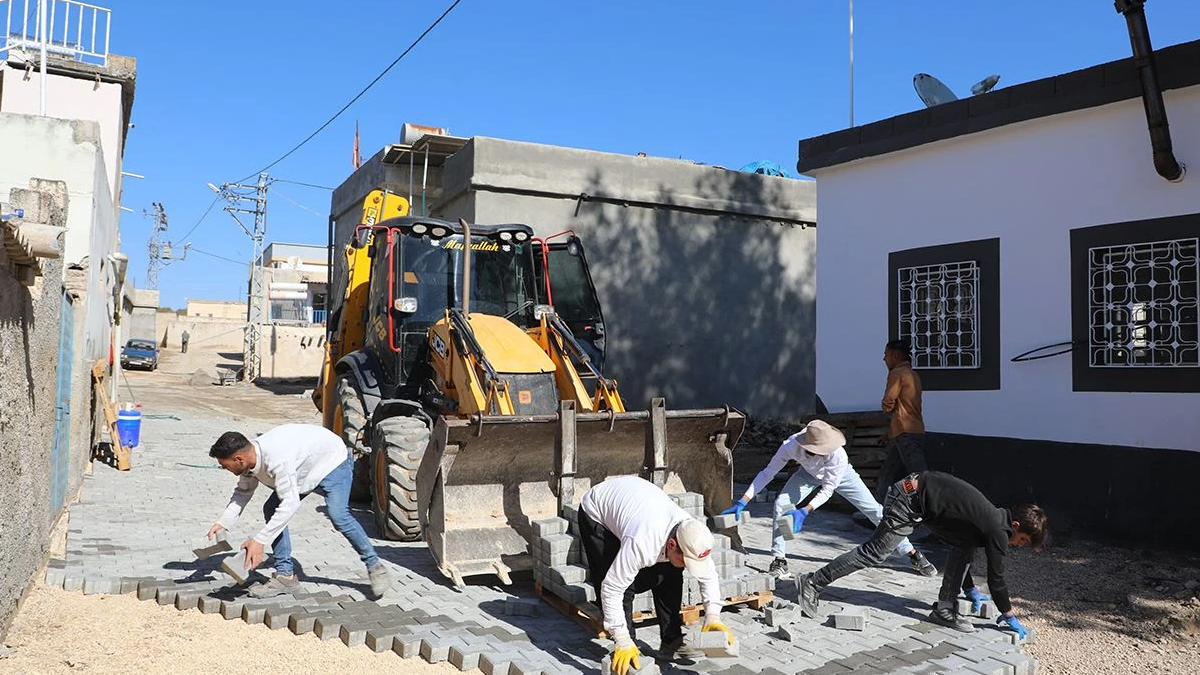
(251, 200)
(158, 253)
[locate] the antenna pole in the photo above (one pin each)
(851, 63)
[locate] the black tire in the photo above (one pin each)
(397, 446)
(350, 408)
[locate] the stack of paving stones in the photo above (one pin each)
(134, 532)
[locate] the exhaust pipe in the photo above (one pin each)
(1156, 111)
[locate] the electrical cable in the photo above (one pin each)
(202, 217)
(296, 182)
(218, 257)
(358, 96)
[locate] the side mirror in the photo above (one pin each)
(406, 305)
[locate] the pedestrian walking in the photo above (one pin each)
(183, 340)
(293, 460)
(824, 467)
(960, 515)
(905, 437)
(636, 539)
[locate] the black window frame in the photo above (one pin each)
(1150, 379)
(986, 254)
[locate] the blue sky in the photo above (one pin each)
(223, 88)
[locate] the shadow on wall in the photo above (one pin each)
(705, 308)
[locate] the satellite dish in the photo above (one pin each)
(931, 90)
(985, 85)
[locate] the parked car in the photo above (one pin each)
(139, 354)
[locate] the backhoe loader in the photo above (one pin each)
(463, 368)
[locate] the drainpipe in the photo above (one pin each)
(1156, 111)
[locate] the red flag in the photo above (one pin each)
(357, 158)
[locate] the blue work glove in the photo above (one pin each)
(736, 509)
(977, 599)
(798, 516)
(1014, 624)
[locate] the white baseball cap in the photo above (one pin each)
(696, 544)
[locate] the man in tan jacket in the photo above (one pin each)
(905, 437)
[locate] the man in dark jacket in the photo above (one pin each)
(958, 513)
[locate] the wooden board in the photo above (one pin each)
(691, 613)
(120, 454)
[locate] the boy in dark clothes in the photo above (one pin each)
(958, 513)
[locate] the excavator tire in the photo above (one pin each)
(397, 446)
(350, 408)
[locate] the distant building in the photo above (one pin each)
(297, 283)
(216, 309)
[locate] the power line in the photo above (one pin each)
(299, 205)
(295, 182)
(358, 96)
(202, 217)
(195, 250)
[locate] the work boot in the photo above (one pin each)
(678, 650)
(946, 616)
(921, 564)
(806, 596)
(778, 567)
(379, 580)
(274, 586)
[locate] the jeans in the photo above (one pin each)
(899, 518)
(336, 489)
(905, 455)
(664, 579)
(852, 488)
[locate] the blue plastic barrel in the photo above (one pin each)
(129, 427)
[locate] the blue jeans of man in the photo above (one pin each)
(852, 488)
(335, 488)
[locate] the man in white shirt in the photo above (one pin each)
(824, 467)
(636, 539)
(293, 460)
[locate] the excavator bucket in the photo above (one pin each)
(482, 481)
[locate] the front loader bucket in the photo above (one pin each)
(482, 481)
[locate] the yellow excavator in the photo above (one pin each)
(463, 370)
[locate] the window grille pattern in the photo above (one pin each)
(939, 314)
(1142, 302)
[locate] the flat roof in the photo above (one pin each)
(1178, 67)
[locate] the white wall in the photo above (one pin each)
(1028, 184)
(72, 98)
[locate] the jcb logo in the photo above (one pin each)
(438, 344)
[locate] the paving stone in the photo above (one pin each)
(521, 607)
(550, 526)
(715, 644)
(355, 634)
(648, 666)
(724, 522)
(327, 627)
(464, 658)
(208, 604)
(72, 582)
(990, 667)
(781, 615)
(380, 638)
(276, 618)
(205, 548)
(409, 646)
(435, 649)
(55, 577)
(235, 569)
(232, 609)
(497, 664)
(104, 585)
(185, 601)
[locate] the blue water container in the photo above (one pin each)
(129, 427)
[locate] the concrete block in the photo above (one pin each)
(186, 601)
(278, 617)
(464, 658)
(409, 646)
(567, 574)
(791, 633)
(166, 596)
(990, 667)
(784, 523)
(1012, 637)
(988, 611)
(715, 645)
(435, 650)
(148, 589)
(498, 664)
(721, 542)
(102, 585)
(355, 634)
(648, 667)
(235, 568)
(232, 609)
(780, 616)
(327, 627)
(208, 604)
(520, 607)
(850, 619)
(549, 526)
(130, 584)
(381, 638)
(55, 577)
(1020, 663)
(205, 548)
(724, 522)
(579, 593)
(255, 613)
(73, 582)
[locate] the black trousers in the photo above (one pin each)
(905, 455)
(664, 580)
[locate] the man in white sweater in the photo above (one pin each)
(293, 460)
(636, 539)
(824, 467)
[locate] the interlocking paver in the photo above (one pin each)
(136, 532)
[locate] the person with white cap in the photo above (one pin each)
(636, 539)
(824, 467)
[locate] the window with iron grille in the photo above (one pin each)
(939, 314)
(1136, 291)
(945, 300)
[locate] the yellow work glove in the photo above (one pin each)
(717, 625)
(623, 656)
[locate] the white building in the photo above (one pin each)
(1012, 221)
(297, 282)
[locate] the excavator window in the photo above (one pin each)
(574, 295)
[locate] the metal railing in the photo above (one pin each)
(74, 30)
(319, 315)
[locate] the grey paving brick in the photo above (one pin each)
(850, 619)
(990, 667)
(276, 618)
(464, 658)
(409, 646)
(521, 607)
(355, 634)
(327, 627)
(103, 585)
(234, 568)
(724, 522)
(232, 609)
(205, 548)
(55, 577)
(208, 604)
(436, 649)
(495, 664)
(549, 526)
(72, 582)
(715, 644)
(648, 666)
(185, 601)
(380, 638)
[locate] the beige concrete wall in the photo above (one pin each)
(216, 309)
(203, 333)
(293, 352)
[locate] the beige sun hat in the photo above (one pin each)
(820, 438)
